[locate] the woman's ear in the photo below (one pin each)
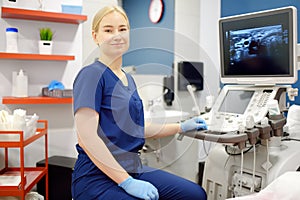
(94, 35)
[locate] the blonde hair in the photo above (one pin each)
(103, 12)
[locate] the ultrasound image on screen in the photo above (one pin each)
(236, 101)
(257, 51)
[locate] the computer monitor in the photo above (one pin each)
(259, 48)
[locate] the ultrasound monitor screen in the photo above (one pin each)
(258, 45)
(236, 101)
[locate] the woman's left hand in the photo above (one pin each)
(196, 123)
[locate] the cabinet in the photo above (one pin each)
(37, 15)
(29, 176)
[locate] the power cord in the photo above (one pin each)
(291, 139)
(230, 150)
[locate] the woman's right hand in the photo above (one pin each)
(196, 123)
(140, 189)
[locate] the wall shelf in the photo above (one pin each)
(36, 100)
(38, 15)
(28, 56)
(17, 13)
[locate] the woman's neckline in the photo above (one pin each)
(124, 83)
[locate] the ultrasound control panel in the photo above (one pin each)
(235, 103)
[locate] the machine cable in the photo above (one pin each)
(254, 168)
(290, 139)
(206, 149)
(268, 160)
(242, 168)
(229, 149)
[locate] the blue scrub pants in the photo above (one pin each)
(170, 187)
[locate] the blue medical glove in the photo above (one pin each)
(196, 123)
(139, 188)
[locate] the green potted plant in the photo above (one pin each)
(45, 43)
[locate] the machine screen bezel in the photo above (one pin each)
(260, 19)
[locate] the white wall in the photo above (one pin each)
(198, 44)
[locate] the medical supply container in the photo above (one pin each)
(12, 40)
(20, 84)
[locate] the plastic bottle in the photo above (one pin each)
(14, 84)
(12, 40)
(21, 85)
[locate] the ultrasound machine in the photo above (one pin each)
(258, 66)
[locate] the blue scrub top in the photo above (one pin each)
(121, 116)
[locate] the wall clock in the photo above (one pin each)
(156, 10)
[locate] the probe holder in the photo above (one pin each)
(277, 122)
(252, 135)
(264, 131)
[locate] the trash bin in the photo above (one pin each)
(60, 170)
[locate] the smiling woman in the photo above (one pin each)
(109, 120)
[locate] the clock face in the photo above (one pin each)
(156, 10)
